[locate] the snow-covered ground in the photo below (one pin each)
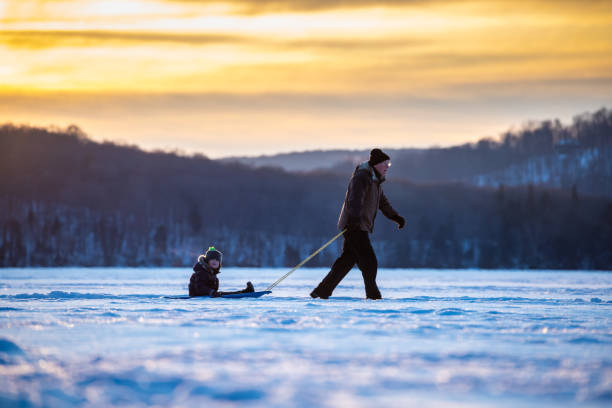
(443, 338)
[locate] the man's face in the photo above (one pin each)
(383, 167)
(213, 263)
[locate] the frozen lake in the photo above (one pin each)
(440, 338)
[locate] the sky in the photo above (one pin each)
(250, 77)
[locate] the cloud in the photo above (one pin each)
(39, 39)
(407, 51)
(272, 6)
(42, 39)
(496, 93)
(436, 49)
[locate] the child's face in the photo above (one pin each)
(213, 263)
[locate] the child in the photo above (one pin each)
(204, 281)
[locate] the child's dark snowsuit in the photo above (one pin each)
(204, 281)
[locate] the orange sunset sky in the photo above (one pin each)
(247, 77)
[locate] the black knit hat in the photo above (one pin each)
(213, 253)
(377, 156)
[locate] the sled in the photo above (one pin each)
(233, 296)
(251, 294)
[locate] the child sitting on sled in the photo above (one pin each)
(204, 281)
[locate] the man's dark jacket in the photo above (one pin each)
(364, 197)
(204, 281)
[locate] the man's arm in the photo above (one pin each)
(389, 212)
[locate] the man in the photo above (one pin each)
(364, 196)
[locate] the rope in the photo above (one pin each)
(305, 260)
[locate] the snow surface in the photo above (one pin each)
(440, 338)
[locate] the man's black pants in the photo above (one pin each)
(356, 249)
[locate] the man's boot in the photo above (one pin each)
(315, 295)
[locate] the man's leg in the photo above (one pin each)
(339, 269)
(368, 264)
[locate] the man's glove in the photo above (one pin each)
(400, 221)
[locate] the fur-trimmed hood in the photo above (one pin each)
(202, 261)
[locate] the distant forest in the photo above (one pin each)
(67, 200)
(544, 153)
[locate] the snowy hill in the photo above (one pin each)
(301, 161)
(588, 170)
(574, 157)
(315, 160)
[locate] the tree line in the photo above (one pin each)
(584, 150)
(67, 200)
